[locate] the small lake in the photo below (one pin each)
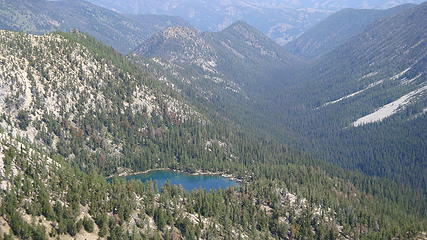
(187, 181)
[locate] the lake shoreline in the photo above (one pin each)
(197, 173)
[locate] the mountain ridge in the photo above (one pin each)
(212, 52)
(124, 33)
(338, 28)
(282, 21)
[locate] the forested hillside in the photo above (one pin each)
(329, 149)
(279, 201)
(363, 104)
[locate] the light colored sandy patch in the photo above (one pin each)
(409, 81)
(418, 43)
(208, 66)
(369, 75)
(38, 220)
(1, 160)
(142, 98)
(232, 50)
(418, 114)
(421, 236)
(28, 94)
(354, 94)
(83, 235)
(4, 226)
(149, 224)
(389, 109)
(399, 75)
(267, 209)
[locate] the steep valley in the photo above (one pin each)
(98, 124)
(329, 148)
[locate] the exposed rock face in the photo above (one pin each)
(181, 45)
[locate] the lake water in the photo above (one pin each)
(187, 181)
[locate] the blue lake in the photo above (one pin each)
(187, 181)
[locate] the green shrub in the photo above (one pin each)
(23, 119)
(88, 224)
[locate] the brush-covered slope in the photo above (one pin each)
(123, 33)
(337, 29)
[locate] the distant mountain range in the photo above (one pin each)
(341, 4)
(123, 33)
(282, 21)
